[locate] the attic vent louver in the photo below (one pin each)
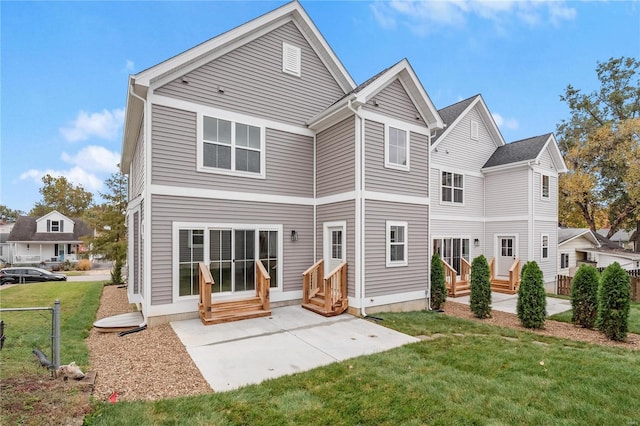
(291, 59)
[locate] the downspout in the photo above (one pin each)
(143, 325)
(315, 204)
(359, 200)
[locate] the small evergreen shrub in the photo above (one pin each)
(438, 285)
(532, 300)
(116, 273)
(613, 302)
(480, 298)
(83, 265)
(584, 296)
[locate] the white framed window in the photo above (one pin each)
(474, 130)
(55, 225)
(397, 243)
(230, 147)
(544, 245)
(291, 59)
(452, 188)
(544, 186)
(396, 148)
(336, 244)
(564, 260)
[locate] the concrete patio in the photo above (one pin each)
(508, 303)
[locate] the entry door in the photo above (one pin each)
(335, 250)
(232, 254)
(506, 254)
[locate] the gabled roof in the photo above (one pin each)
(569, 234)
(209, 50)
(366, 91)
(51, 214)
(527, 151)
(620, 236)
(26, 226)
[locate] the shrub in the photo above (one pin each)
(83, 265)
(532, 301)
(584, 296)
(438, 285)
(613, 302)
(480, 298)
(116, 273)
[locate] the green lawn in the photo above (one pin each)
(470, 373)
(634, 317)
(28, 330)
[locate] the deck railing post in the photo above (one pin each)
(55, 339)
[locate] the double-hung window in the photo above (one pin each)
(452, 187)
(397, 243)
(545, 246)
(545, 187)
(233, 147)
(564, 260)
(396, 148)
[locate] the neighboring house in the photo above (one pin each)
(52, 238)
(258, 147)
(5, 247)
(491, 198)
(574, 247)
(622, 238)
(577, 246)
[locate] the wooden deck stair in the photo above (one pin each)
(217, 312)
(233, 310)
(460, 285)
(325, 296)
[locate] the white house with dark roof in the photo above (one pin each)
(260, 175)
(493, 198)
(52, 238)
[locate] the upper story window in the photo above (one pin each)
(396, 148)
(564, 260)
(545, 187)
(232, 147)
(474, 130)
(55, 225)
(452, 187)
(291, 58)
(397, 243)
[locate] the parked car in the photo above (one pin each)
(27, 274)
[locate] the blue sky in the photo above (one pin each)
(64, 65)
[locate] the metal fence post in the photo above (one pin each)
(56, 334)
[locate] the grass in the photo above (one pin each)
(29, 395)
(471, 373)
(634, 317)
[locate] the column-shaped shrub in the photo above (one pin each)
(613, 302)
(532, 300)
(584, 296)
(438, 285)
(480, 299)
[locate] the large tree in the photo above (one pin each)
(109, 220)
(601, 146)
(9, 214)
(61, 195)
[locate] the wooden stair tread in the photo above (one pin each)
(320, 309)
(218, 318)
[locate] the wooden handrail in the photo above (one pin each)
(335, 286)
(263, 284)
(205, 284)
(492, 268)
(465, 270)
(514, 275)
(451, 277)
(311, 279)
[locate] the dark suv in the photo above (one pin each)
(21, 274)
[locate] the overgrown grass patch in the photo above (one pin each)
(469, 374)
(634, 317)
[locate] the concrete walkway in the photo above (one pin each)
(291, 340)
(508, 302)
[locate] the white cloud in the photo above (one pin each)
(104, 125)
(507, 123)
(97, 158)
(75, 175)
(129, 66)
(422, 16)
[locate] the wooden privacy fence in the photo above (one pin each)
(564, 286)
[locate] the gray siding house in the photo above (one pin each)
(258, 146)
